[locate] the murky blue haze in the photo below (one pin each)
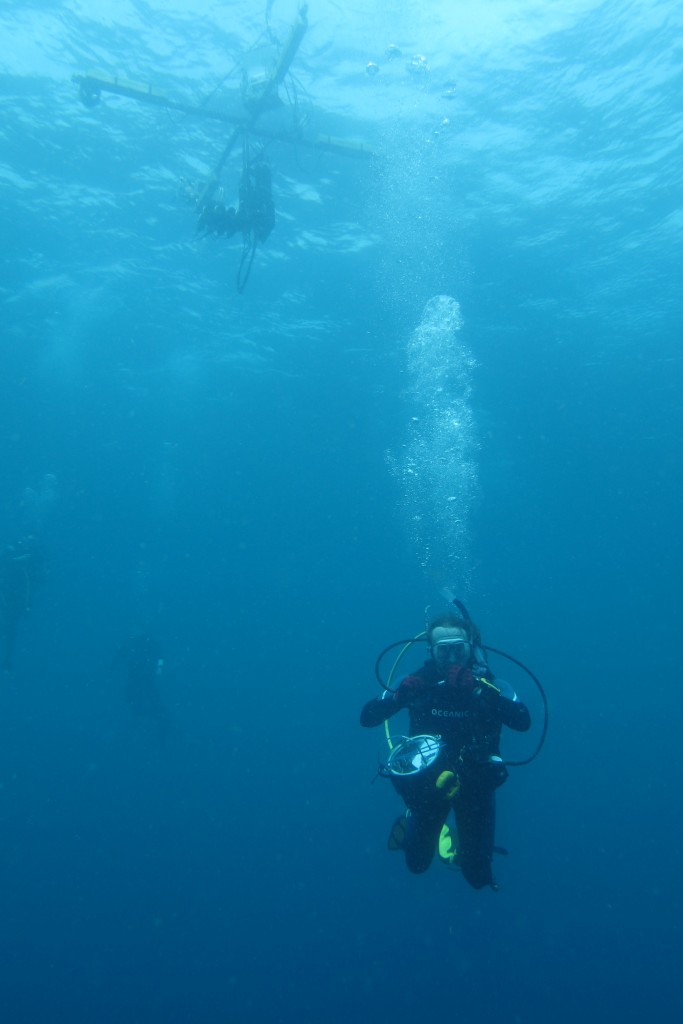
(233, 473)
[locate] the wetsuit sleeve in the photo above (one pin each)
(381, 708)
(514, 714)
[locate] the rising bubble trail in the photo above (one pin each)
(436, 466)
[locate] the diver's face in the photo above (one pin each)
(450, 646)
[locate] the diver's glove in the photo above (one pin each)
(461, 679)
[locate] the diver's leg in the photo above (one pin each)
(423, 829)
(475, 813)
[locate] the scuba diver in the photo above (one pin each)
(451, 760)
(142, 660)
(254, 216)
(22, 569)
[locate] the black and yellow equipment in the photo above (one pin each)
(257, 97)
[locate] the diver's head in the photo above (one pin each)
(450, 641)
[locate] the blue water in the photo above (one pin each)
(229, 471)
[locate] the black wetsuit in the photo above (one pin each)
(467, 715)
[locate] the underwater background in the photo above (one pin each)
(455, 370)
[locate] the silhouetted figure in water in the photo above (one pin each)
(22, 569)
(142, 660)
(254, 216)
(255, 213)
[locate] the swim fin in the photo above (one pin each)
(448, 846)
